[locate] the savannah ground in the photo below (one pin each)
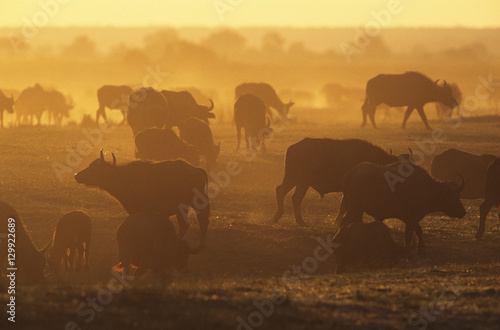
(248, 258)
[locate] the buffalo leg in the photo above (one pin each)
(484, 209)
(297, 198)
(422, 115)
(342, 211)
(238, 137)
(408, 112)
(101, 112)
(421, 243)
(203, 217)
(1, 118)
(281, 192)
(183, 223)
(371, 114)
(79, 258)
(71, 258)
(87, 255)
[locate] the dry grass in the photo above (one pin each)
(246, 253)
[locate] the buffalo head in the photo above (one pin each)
(97, 173)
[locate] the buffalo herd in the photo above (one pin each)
(166, 179)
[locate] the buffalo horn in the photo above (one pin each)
(114, 159)
(211, 105)
(462, 182)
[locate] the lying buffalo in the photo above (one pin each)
(361, 244)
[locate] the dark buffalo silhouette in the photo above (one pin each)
(7, 104)
(197, 133)
(446, 165)
(366, 244)
(250, 114)
(268, 95)
(444, 111)
(411, 89)
(147, 108)
(168, 187)
(57, 106)
(114, 98)
(73, 233)
(29, 261)
(30, 104)
(320, 164)
(164, 144)
(182, 106)
(383, 192)
(149, 241)
(491, 195)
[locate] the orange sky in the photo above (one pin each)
(300, 13)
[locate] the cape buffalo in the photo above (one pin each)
(149, 241)
(182, 105)
(29, 260)
(57, 106)
(31, 103)
(147, 108)
(320, 164)
(473, 168)
(491, 195)
(113, 97)
(7, 104)
(73, 232)
(399, 190)
(411, 89)
(366, 244)
(164, 144)
(268, 95)
(250, 114)
(197, 133)
(168, 187)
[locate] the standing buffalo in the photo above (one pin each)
(393, 191)
(446, 165)
(320, 164)
(182, 106)
(411, 89)
(6, 104)
(250, 114)
(147, 108)
(57, 106)
(268, 95)
(198, 133)
(164, 144)
(149, 241)
(491, 195)
(31, 103)
(366, 244)
(29, 260)
(113, 97)
(168, 187)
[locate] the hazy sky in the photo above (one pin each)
(479, 13)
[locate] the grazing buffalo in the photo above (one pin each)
(7, 104)
(197, 133)
(147, 108)
(57, 106)
(164, 144)
(445, 112)
(268, 95)
(250, 114)
(366, 244)
(491, 195)
(399, 190)
(411, 89)
(113, 97)
(182, 106)
(149, 241)
(473, 168)
(29, 261)
(320, 164)
(72, 234)
(168, 187)
(31, 103)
